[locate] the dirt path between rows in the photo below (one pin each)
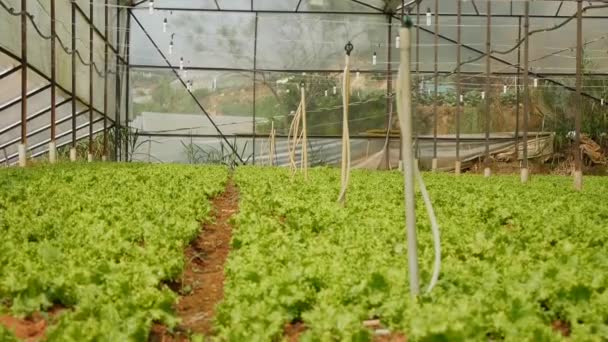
(202, 286)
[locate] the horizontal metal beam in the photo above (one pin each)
(45, 142)
(281, 136)
(33, 116)
(329, 71)
(10, 72)
(18, 100)
(178, 9)
(41, 129)
(353, 13)
(42, 75)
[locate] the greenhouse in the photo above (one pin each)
(314, 170)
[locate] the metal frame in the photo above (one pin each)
(103, 37)
(10, 72)
(126, 66)
(19, 100)
(66, 133)
(24, 65)
(255, 79)
(91, 99)
(117, 126)
(488, 87)
(375, 11)
(53, 85)
(131, 15)
(389, 72)
(53, 72)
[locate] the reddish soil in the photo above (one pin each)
(562, 327)
(202, 285)
(32, 328)
(393, 337)
(292, 331)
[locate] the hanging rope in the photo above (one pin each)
(292, 139)
(271, 143)
(304, 134)
(345, 131)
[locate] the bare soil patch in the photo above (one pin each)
(202, 285)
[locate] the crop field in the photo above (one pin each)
(95, 242)
(92, 248)
(519, 262)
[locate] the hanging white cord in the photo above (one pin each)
(345, 131)
(434, 229)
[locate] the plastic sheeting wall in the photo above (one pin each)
(227, 65)
(40, 69)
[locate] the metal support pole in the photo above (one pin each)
(436, 85)
(52, 144)
(487, 172)
(578, 162)
(117, 126)
(90, 156)
(74, 85)
(524, 169)
(255, 74)
(517, 92)
(104, 157)
(405, 122)
(418, 80)
(457, 166)
(389, 90)
(23, 145)
(127, 85)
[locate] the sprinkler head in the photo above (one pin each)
(349, 48)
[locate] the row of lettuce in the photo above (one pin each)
(518, 261)
(99, 241)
